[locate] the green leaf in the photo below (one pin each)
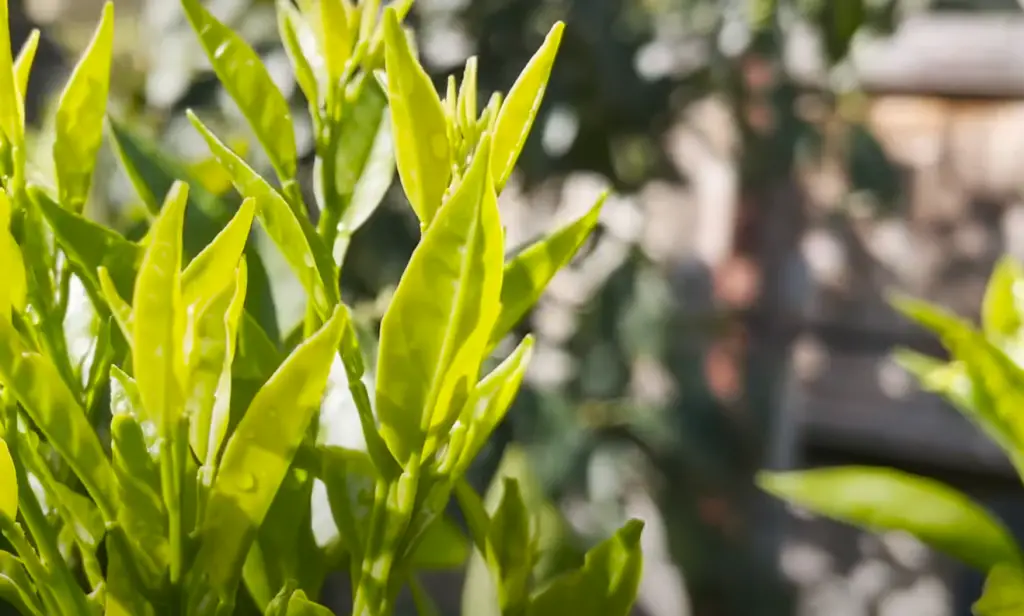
(420, 129)
(364, 159)
(293, 235)
(606, 585)
(244, 77)
(997, 382)
(213, 269)
(16, 587)
(509, 548)
(36, 383)
(8, 484)
(1003, 594)
(255, 461)
(294, 30)
(14, 291)
(291, 602)
(10, 114)
(486, 407)
(1004, 300)
(209, 367)
(443, 546)
(152, 173)
(520, 107)
(23, 65)
(80, 111)
(529, 272)
(886, 499)
(90, 245)
(338, 40)
(159, 320)
(948, 379)
(434, 333)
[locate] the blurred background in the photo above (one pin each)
(778, 167)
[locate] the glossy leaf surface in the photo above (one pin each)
(246, 79)
(80, 112)
(420, 128)
(434, 333)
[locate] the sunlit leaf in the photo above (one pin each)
(16, 587)
(529, 272)
(10, 115)
(520, 107)
(8, 484)
(1004, 299)
(247, 81)
(80, 112)
(1004, 593)
(434, 333)
(420, 129)
(886, 499)
(255, 461)
(23, 65)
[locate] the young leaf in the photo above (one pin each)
(159, 323)
(434, 333)
(215, 328)
(293, 235)
(337, 39)
(294, 30)
(509, 548)
(245, 78)
(80, 112)
(16, 587)
(364, 166)
(1004, 300)
(8, 484)
(23, 65)
(255, 461)
(36, 383)
(1004, 593)
(530, 271)
(606, 585)
(10, 115)
(420, 129)
(213, 269)
(488, 404)
(886, 499)
(520, 108)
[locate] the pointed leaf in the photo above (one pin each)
(606, 585)
(213, 269)
(256, 459)
(14, 291)
(246, 79)
(158, 318)
(338, 40)
(80, 114)
(23, 65)
(293, 235)
(530, 271)
(886, 499)
(489, 402)
(420, 129)
(520, 108)
(509, 546)
(293, 30)
(434, 333)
